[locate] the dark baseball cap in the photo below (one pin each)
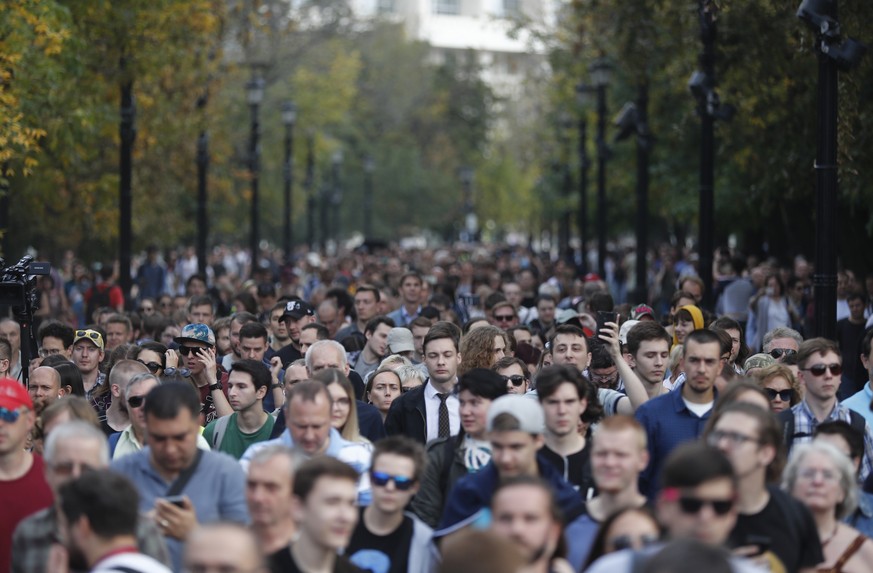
(297, 309)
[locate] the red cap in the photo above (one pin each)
(591, 277)
(13, 395)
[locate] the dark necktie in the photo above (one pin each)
(443, 418)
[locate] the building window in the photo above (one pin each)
(451, 7)
(385, 6)
(511, 8)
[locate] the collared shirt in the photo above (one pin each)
(862, 518)
(101, 379)
(668, 422)
(805, 424)
(217, 490)
(35, 536)
(128, 444)
(860, 402)
(357, 455)
(432, 412)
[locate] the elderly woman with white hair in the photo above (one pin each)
(823, 478)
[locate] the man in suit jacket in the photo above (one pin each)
(430, 411)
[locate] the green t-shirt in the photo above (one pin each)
(235, 442)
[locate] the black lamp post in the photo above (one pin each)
(336, 195)
(202, 174)
(369, 168)
(468, 235)
(582, 95)
(564, 125)
(255, 95)
(127, 131)
(600, 71)
(833, 55)
(309, 185)
(289, 117)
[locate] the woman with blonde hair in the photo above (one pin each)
(344, 411)
(781, 386)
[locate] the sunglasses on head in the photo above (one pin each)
(400, 482)
(9, 416)
(784, 395)
(152, 366)
(516, 379)
(778, 353)
(136, 401)
(692, 505)
(820, 369)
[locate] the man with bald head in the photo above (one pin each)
(223, 547)
(44, 387)
(117, 416)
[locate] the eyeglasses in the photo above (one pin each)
(809, 474)
(381, 479)
(186, 350)
(784, 395)
(604, 377)
(777, 353)
(734, 438)
(516, 379)
(136, 401)
(152, 366)
(623, 542)
(46, 352)
(819, 369)
(9, 416)
(504, 317)
(146, 309)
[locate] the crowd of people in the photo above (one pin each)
(452, 410)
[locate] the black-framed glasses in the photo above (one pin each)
(9, 416)
(820, 369)
(516, 379)
(778, 353)
(402, 483)
(136, 401)
(692, 505)
(735, 438)
(622, 542)
(784, 395)
(152, 366)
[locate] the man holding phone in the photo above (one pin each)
(197, 348)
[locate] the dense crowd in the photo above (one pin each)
(478, 408)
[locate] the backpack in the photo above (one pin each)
(786, 417)
(99, 298)
(218, 431)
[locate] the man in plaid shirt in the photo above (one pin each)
(820, 369)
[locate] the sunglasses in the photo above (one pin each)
(784, 395)
(152, 366)
(778, 353)
(692, 505)
(136, 401)
(516, 379)
(504, 317)
(623, 542)
(820, 369)
(9, 416)
(400, 482)
(186, 350)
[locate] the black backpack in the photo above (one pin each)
(786, 418)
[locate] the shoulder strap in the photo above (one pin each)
(182, 480)
(850, 550)
(858, 422)
(219, 430)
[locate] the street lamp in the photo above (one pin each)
(336, 194)
(583, 93)
(834, 55)
(369, 168)
(309, 186)
(254, 97)
(466, 174)
(202, 173)
(600, 71)
(127, 132)
(289, 117)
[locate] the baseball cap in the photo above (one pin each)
(297, 309)
(400, 340)
(13, 395)
(625, 328)
(641, 310)
(759, 360)
(196, 332)
(91, 336)
(526, 410)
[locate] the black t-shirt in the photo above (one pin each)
(849, 336)
(789, 527)
(288, 354)
(282, 562)
(378, 553)
(575, 468)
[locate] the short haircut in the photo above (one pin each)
(443, 329)
(643, 332)
(267, 453)
(136, 380)
(601, 357)
(481, 386)
(221, 323)
(695, 463)
(254, 330)
(200, 300)
(544, 297)
(508, 361)
(816, 346)
(854, 439)
(321, 331)
(243, 317)
(374, 323)
(701, 336)
(679, 295)
(78, 408)
(724, 340)
(554, 510)
(260, 374)
(620, 423)
(570, 329)
(308, 391)
(369, 288)
(768, 427)
(77, 430)
(123, 370)
(56, 329)
(856, 295)
(321, 345)
(404, 447)
(421, 322)
(408, 274)
(843, 465)
(693, 279)
(108, 499)
(780, 332)
(117, 318)
(314, 469)
(601, 301)
(166, 400)
(552, 377)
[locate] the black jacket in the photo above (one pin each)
(407, 415)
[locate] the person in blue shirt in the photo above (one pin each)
(860, 401)
(680, 416)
